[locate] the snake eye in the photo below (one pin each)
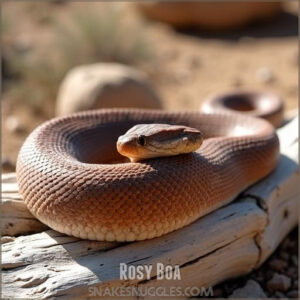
(141, 140)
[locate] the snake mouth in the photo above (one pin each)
(146, 141)
(127, 147)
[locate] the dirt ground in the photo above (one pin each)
(186, 67)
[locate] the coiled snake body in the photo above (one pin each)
(67, 181)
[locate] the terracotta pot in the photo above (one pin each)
(209, 15)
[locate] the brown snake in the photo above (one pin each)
(67, 180)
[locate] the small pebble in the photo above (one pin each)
(194, 62)
(251, 290)
(7, 165)
(181, 76)
(237, 82)
(292, 294)
(277, 264)
(13, 124)
(295, 260)
(292, 272)
(279, 282)
(265, 75)
(23, 45)
(279, 295)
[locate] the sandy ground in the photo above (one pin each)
(187, 66)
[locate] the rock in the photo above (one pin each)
(194, 62)
(251, 290)
(237, 82)
(295, 260)
(13, 124)
(209, 15)
(292, 272)
(105, 85)
(279, 282)
(279, 295)
(23, 45)
(182, 75)
(293, 294)
(265, 75)
(277, 264)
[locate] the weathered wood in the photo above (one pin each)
(66, 263)
(278, 194)
(15, 217)
(226, 243)
(17, 220)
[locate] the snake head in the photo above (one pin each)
(145, 141)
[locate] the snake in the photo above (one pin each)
(73, 178)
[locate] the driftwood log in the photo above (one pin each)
(232, 241)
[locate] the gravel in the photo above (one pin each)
(278, 264)
(276, 278)
(279, 282)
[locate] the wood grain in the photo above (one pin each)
(229, 242)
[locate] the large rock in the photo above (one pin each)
(105, 85)
(209, 15)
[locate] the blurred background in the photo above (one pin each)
(177, 57)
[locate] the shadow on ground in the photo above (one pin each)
(285, 25)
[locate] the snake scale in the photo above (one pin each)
(68, 181)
